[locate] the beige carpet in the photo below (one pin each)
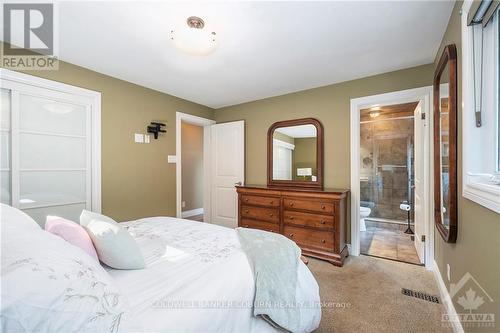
(371, 290)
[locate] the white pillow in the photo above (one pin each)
(114, 245)
(88, 216)
(14, 218)
(49, 285)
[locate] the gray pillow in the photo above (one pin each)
(88, 216)
(114, 245)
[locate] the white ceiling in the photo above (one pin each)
(264, 48)
(299, 131)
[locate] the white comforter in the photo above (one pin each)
(197, 279)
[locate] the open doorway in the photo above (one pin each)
(390, 183)
(387, 155)
(192, 167)
(192, 172)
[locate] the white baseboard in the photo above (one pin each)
(192, 212)
(446, 299)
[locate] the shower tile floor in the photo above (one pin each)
(388, 240)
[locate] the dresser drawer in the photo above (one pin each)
(260, 201)
(310, 238)
(308, 220)
(260, 213)
(315, 206)
(267, 226)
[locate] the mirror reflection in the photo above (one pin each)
(444, 126)
(294, 153)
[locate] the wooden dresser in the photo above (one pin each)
(314, 219)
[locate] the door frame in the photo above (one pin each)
(423, 94)
(205, 123)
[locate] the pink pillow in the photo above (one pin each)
(71, 232)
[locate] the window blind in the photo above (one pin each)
(480, 14)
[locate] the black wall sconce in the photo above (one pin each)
(156, 128)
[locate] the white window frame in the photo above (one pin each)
(476, 172)
(19, 81)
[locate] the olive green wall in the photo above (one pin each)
(192, 166)
(137, 181)
(283, 137)
(304, 156)
(329, 104)
(477, 249)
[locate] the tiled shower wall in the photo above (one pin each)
(386, 158)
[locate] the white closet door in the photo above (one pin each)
(5, 170)
(50, 140)
(54, 156)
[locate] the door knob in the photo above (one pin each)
(238, 183)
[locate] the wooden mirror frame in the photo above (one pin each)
(449, 57)
(318, 184)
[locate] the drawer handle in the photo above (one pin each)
(291, 235)
(322, 222)
(323, 207)
(246, 199)
(291, 204)
(271, 215)
(323, 241)
(271, 202)
(246, 226)
(290, 217)
(246, 211)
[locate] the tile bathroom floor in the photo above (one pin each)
(388, 240)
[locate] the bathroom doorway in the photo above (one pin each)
(390, 162)
(387, 182)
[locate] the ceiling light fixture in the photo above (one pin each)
(194, 39)
(375, 111)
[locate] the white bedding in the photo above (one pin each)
(197, 279)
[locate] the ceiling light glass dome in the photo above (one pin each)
(193, 38)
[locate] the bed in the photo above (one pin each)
(197, 279)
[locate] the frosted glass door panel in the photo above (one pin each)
(54, 157)
(45, 115)
(5, 109)
(5, 191)
(5, 147)
(70, 212)
(5, 132)
(51, 188)
(52, 152)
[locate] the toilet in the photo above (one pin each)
(364, 212)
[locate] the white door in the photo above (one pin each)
(46, 139)
(228, 169)
(419, 200)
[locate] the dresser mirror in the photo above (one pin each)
(445, 145)
(295, 153)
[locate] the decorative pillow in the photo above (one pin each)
(88, 216)
(115, 246)
(71, 232)
(14, 218)
(49, 285)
